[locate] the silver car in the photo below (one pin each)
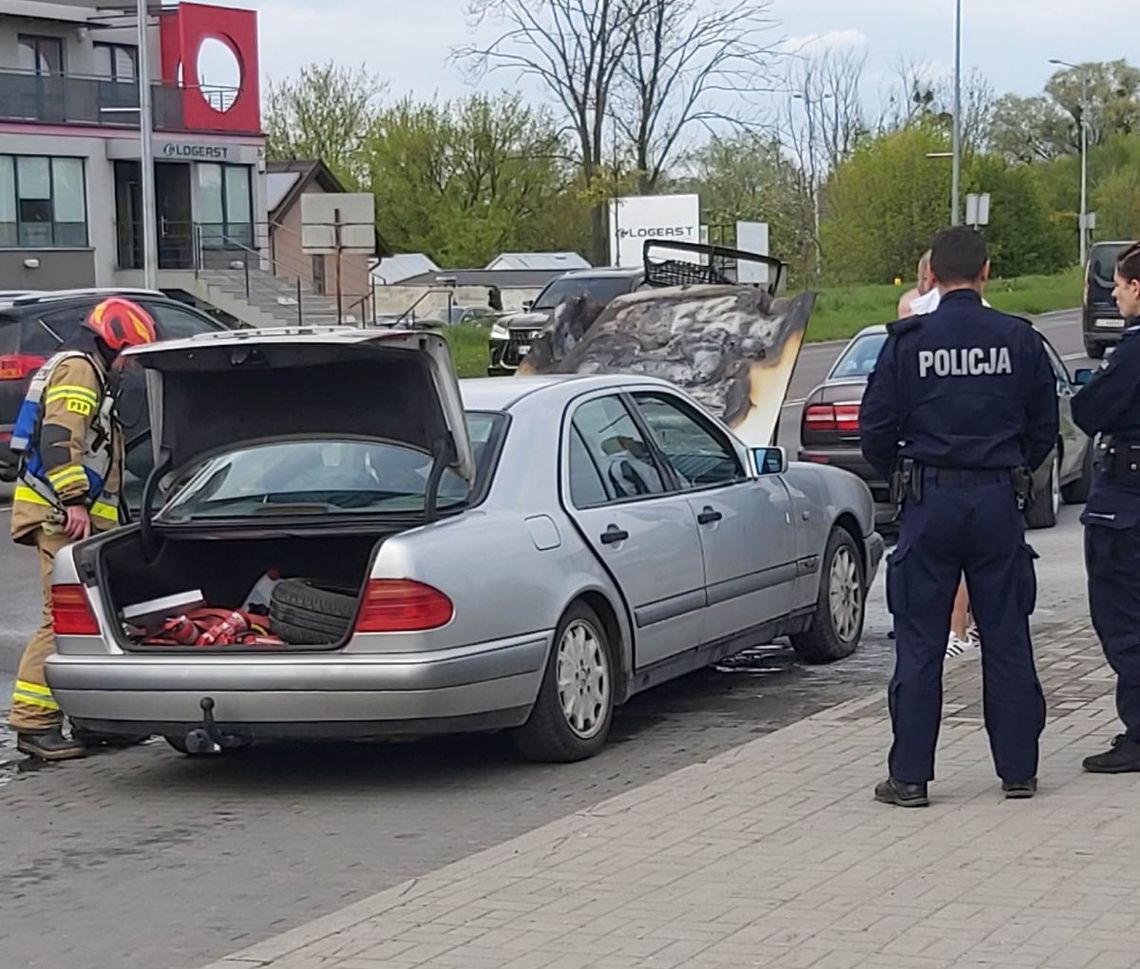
(521, 554)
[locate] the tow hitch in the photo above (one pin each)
(208, 738)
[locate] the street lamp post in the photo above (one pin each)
(146, 154)
(956, 184)
(1082, 229)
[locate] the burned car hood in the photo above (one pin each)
(218, 391)
(731, 347)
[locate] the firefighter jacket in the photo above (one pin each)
(70, 449)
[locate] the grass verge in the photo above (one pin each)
(841, 312)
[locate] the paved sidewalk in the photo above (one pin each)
(774, 854)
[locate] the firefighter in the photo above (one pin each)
(71, 458)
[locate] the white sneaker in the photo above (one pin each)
(956, 646)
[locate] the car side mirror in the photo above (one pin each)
(770, 460)
(1082, 377)
(527, 305)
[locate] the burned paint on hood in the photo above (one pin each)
(733, 348)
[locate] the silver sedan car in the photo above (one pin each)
(520, 554)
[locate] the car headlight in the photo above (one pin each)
(500, 332)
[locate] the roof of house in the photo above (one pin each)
(392, 270)
(562, 261)
(503, 278)
(287, 181)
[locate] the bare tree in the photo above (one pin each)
(918, 95)
(688, 63)
(575, 49)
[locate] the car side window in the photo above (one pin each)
(701, 456)
(613, 441)
(41, 335)
(176, 323)
(587, 489)
(1060, 371)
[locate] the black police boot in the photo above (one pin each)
(899, 794)
(1122, 758)
(1020, 790)
(49, 745)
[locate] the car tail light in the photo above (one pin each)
(401, 605)
(5, 437)
(70, 612)
(833, 417)
(15, 367)
(820, 417)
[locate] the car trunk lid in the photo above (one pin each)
(225, 390)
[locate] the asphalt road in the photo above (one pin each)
(143, 859)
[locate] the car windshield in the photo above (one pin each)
(1102, 264)
(325, 477)
(598, 289)
(858, 360)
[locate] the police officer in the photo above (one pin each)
(70, 468)
(961, 402)
(1110, 406)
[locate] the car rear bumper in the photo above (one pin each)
(303, 695)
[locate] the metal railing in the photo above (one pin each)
(104, 102)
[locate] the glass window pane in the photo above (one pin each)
(69, 196)
(210, 194)
(35, 177)
(586, 486)
(103, 61)
(698, 454)
(238, 204)
(51, 55)
(618, 448)
(7, 201)
(125, 63)
(27, 56)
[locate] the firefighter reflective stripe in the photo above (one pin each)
(24, 493)
(72, 392)
(34, 695)
(69, 474)
(106, 510)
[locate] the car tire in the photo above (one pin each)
(1077, 492)
(562, 729)
(312, 613)
(1095, 351)
(841, 607)
(1047, 501)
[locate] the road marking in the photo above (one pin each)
(1074, 356)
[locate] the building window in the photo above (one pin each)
(43, 202)
(40, 55)
(319, 275)
(225, 206)
(116, 62)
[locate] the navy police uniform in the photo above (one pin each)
(1110, 406)
(966, 393)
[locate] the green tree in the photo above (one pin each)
(884, 206)
(324, 113)
(466, 180)
(1116, 198)
(1023, 238)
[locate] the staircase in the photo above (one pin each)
(258, 297)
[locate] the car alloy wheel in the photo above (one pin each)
(845, 595)
(583, 680)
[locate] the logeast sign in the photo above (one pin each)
(174, 149)
(634, 219)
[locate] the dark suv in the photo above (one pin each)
(1101, 321)
(32, 327)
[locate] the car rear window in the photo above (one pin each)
(9, 336)
(1102, 264)
(858, 360)
(178, 322)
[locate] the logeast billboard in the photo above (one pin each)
(635, 218)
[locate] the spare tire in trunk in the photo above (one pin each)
(308, 612)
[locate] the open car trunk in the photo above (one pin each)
(324, 576)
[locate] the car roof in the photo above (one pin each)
(604, 272)
(504, 393)
(31, 303)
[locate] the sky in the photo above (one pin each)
(1011, 41)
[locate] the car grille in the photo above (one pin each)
(519, 345)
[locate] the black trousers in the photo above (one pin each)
(1112, 560)
(967, 523)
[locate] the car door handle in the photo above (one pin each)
(708, 516)
(613, 534)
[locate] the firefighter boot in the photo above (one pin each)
(50, 745)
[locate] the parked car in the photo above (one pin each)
(1101, 322)
(513, 334)
(34, 325)
(573, 541)
(829, 432)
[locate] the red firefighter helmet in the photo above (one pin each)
(121, 323)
